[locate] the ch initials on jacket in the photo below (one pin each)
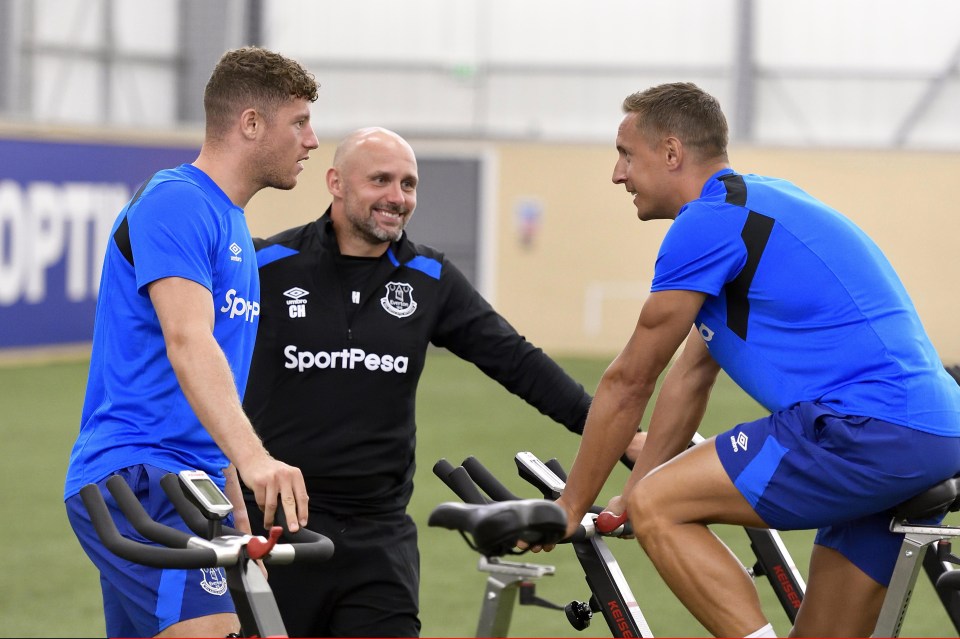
(296, 304)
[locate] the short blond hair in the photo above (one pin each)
(682, 110)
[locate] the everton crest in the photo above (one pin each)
(213, 580)
(399, 299)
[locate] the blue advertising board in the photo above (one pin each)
(58, 201)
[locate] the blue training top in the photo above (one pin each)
(134, 412)
(802, 306)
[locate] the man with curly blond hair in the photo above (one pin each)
(176, 321)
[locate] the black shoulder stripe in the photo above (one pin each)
(122, 239)
(736, 188)
(755, 233)
(122, 235)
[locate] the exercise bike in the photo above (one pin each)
(493, 519)
(493, 523)
(203, 507)
(926, 547)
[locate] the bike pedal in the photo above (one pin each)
(578, 614)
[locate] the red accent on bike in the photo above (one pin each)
(607, 522)
(258, 549)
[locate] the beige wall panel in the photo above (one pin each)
(578, 287)
(592, 247)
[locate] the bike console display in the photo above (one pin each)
(205, 494)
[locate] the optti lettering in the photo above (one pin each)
(348, 358)
(43, 224)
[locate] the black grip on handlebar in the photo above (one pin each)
(442, 468)
(485, 480)
(308, 545)
(459, 481)
(131, 550)
(134, 512)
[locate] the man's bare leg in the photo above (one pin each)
(840, 601)
(218, 625)
(669, 510)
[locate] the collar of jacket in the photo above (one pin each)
(399, 252)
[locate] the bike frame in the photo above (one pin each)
(610, 593)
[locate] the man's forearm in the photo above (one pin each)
(611, 425)
(677, 414)
(208, 384)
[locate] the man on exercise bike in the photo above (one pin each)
(806, 314)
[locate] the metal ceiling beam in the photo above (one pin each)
(744, 75)
(9, 56)
(922, 105)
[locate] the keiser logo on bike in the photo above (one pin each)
(616, 612)
(788, 590)
(239, 307)
(348, 358)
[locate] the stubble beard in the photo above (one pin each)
(367, 228)
(276, 179)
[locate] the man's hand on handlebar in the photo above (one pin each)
(573, 525)
(268, 478)
(607, 522)
(241, 518)
(613, 516)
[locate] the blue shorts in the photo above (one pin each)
(139, 601)
(809, 467)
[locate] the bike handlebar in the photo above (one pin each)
(467, 480)
(459, 481)
(486, 481)
(180, 550)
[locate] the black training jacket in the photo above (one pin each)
(333, 383)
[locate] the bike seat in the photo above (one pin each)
(495, 528)
(936, 500)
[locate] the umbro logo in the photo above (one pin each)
(236, 250)
(296, 305)
(295, 293)
(739, 442)
(705, 332)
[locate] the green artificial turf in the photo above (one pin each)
(48, 588)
